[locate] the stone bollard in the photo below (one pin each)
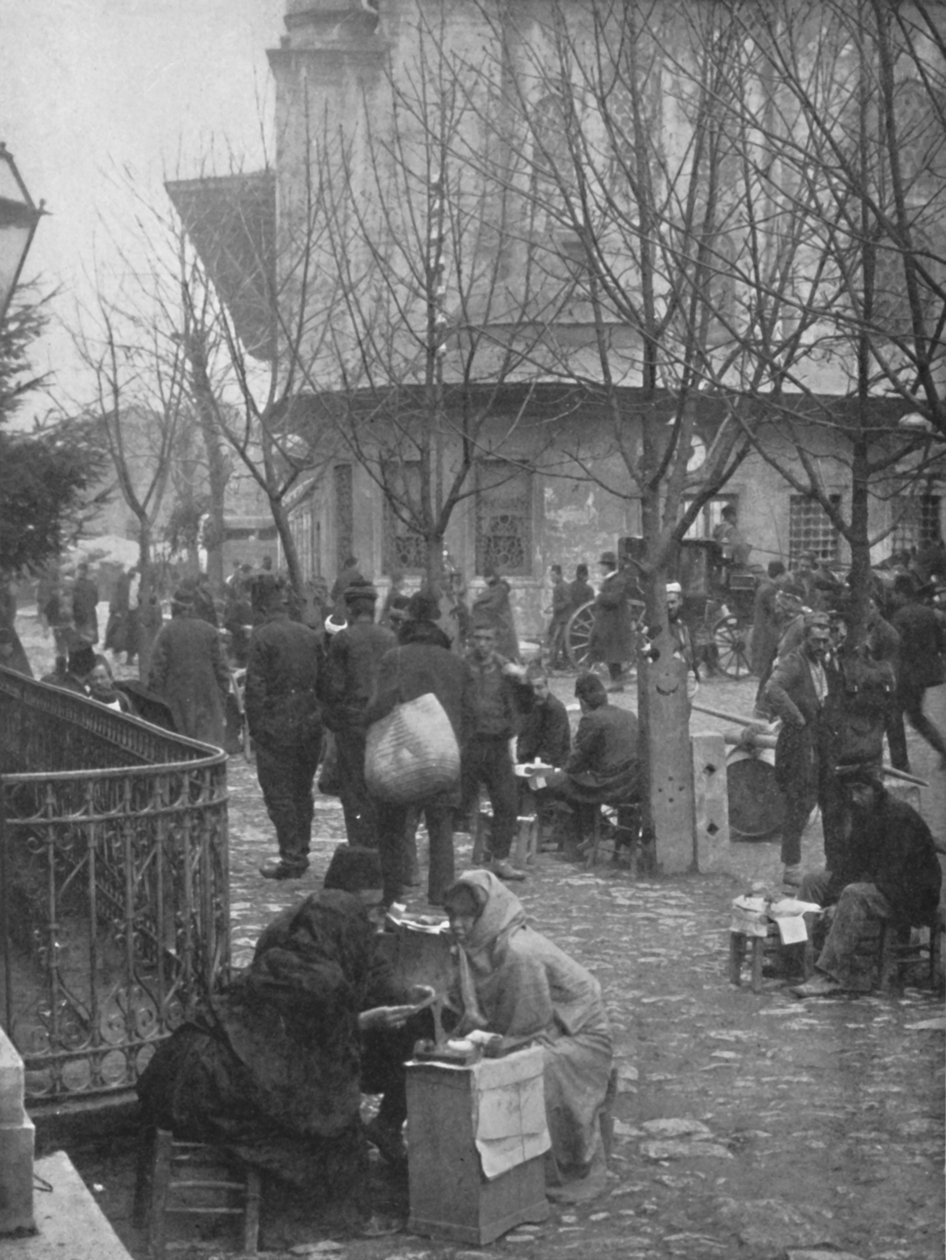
(16, 1146)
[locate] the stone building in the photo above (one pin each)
(511, 97)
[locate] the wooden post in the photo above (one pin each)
(663, 710)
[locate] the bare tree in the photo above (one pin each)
(140, 400)
(856, 145)
(424, 358)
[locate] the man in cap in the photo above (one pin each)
(884, 870)
(284, 664)
(612, 635)
(351, 674)
(190, 674)
(798, 692)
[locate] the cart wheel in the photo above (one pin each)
(578, 636)
(732, 647)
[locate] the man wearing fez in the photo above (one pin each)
(351, 674)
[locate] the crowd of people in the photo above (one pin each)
(275, 1065)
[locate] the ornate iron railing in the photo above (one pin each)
(114, 906)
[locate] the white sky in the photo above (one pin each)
(90, 86)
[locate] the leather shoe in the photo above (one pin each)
(506, 870)
(279, 869)
(817, 986)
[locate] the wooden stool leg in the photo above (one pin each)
(758, 950)
(251, 1219)
(143, 1179)
(160, 1183)
(737, 952)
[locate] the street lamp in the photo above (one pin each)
(18, 219)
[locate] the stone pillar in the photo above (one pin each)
(711, 803)
(16, 1146)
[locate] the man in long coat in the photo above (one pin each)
(351, 670)
(806, 749)
(421, 663)
(284, 662)
(612, 636)
(189, 673)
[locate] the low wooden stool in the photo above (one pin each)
(170, 1172)
(761, 947)
(900, 945)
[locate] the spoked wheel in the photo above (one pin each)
(732, 647)
(578, 636)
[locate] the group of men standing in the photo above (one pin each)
(836, 701)
(298, 690)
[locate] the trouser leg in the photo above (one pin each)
(391, 825)
(276, 780)
(913, 708)
(500, 782)
(844, 957)
(797, 808)
(357, 806)
(441, 869)
(306, 762)
(896, 734)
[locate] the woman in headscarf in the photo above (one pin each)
(513, 981)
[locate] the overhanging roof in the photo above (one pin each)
(231, 222)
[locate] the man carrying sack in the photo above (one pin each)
(422, 665)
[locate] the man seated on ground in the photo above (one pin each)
(545, 735)
(886, 870)
(603, 767)
(274, 1066)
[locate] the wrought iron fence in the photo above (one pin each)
(114, 905)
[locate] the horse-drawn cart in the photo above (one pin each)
(718, 602)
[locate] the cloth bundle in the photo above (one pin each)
(411, 754)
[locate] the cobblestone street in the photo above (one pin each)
(747, 1125)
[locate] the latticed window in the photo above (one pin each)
(810, 529)
(503, 518)
(916, 520)
(344, 514)
(403, 548)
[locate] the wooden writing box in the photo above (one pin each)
(464, 1123)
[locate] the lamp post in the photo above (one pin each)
(19, 216)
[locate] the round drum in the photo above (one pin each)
(756, 807)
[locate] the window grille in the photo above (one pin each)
(810, 529)
(916, 520)
(403, 549)
(503, 519)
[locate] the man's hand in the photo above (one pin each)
(384, 1018)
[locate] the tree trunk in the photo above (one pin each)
(149, 605)
(664, 715)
